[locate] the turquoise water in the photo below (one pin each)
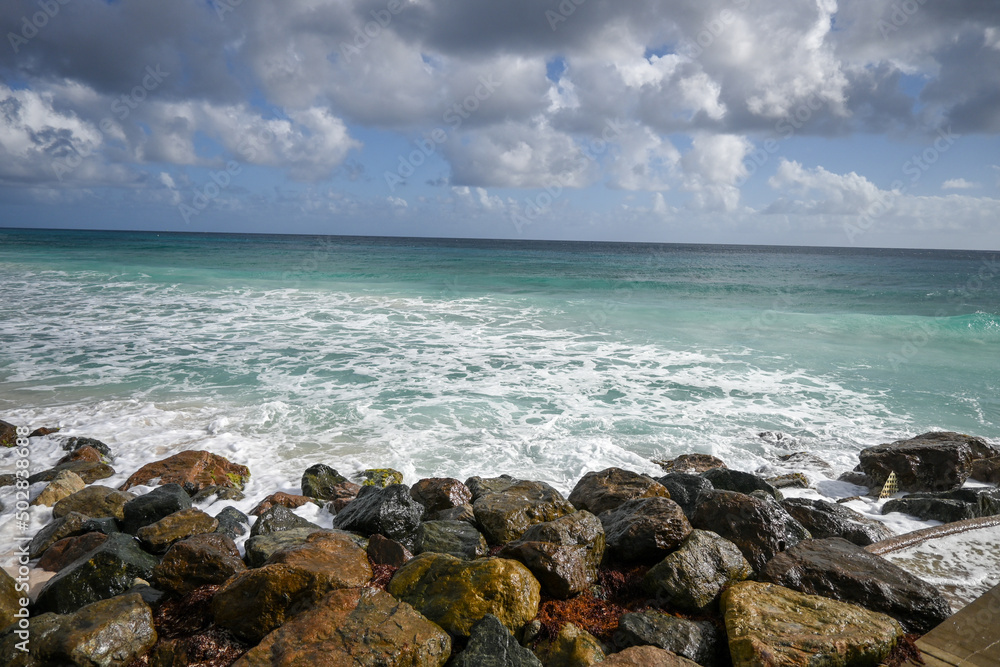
(449, 357)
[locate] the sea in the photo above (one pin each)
(454, 357)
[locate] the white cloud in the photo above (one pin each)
(819, 191)
(958, 184)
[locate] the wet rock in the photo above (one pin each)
(390, 511)
(771, 625)
(8, 479)
(85, 453)
(67, 526)
(691, 463)
(153, 506)
(936, 461)
(646, 656)
(102, 573)
(440, 493)
(232, 522)
(10, 599)
(157, 537)
(760, 529)
(62, 486)
(696, 641)
(685, 488)
(948, 506)
(806, 461)
(598, 492)
(728, 479)
(43, 430)
(95, 501)
(504, 516)
(461, 513)
(381, 477)
(68, 549)
(154, 597)
(358, 626)
(644, 530)
(75, 444)
(840, 570)
(198, 561)
(194, 470)
(492, 645)
(692, 578)
(455, 593)
(480, 486)
(277, 519)
(825, 519)
(105, 525)
(319, 480)
(987, 470)
(777, 438)
(284, 499)
(260, 547)
(383, 551)
(564, 554)
(88, 471)
(572, 647)
(219, 492)
(457, 538)
(8, 434)
(792, 480)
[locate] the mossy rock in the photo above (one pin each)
(381, 477)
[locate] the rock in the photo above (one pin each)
(987, 470)
(85, 453)
(88, 471)
(8, 479)
(357, 626)
(728, 479)
(685, 488)
(440, 493)
(825, 519)
(692, 578)
(855, 477)
(806, 461)
(153, 506)
(455, 593)
(777, 438)
(68, 549)
(696, 641)
(102, 573)
(598, 492)
(197, 561)
(461, 513)
(760, 529)
(67, 526)
(792, 480)
(277, 519)
(220, 493)
(840, 570)
(480, 486)
(383, 551)
(504, 516)
(62, 486)
(390, 511)
(646, 656)
(260, 547)
(644, 530)
(152, 596)
(95, 501)
(104, 525)
(381, 477)
(457, 538)
(292, 580)
(563, 554)
(232, 522)
(771, 625)
(157, 537)
(492, 645)
(936, 461)
(319, 480)
(948, 506)
(43, 430)
(10, 599)
(284, 499)
(8, 434)
(194, 470)
(572, 647)
(691, 463)
(75, 444)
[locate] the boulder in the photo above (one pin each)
(505, 515)
(232, 522)
(319, 480)
(199, 560)
(43, 430)
(806, 461)
(684, 488)
(62, 486)
(440, 493)
(646, 656)
(457, 538)
(278, 518)
(153, 506)
(284, 499)
(8, 434)
(770, 625)
(88, 471)
(825, 519)
(492, 645)
(987, 470)
(760, 529)
(791, 480)
(461, 513)
(855, 477)
(66, 526)
(104, 572)
(563, 554)
(936, 461)
(948, 506)
(455, 593)
(480, 486)
(728, 479)
(390, 511)
(696, 641)
(692, 578)
(68, 549)
(356, 626)
(598, 492)
(194, 470)
(75, 444)
(95, 501)
(86, 453)
(105, 525)
(383, 551)
(572, 647)
(10, 599)
(157, 537)
(691, 463)
(219, 492)
(840, 570)
(644, 530)
(260, 547)
(381, 477)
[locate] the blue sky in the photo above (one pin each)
(724, 121)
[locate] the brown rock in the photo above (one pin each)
(64, 485)
(987, 470)
(197, 561)
(461, 513)
(67, 526)
(85, 453)
(157, 537)
(935, 461)
(8, 434)
(691, 463)
(601, 491)
(89, 471)
(10, 599)
(284, 499)
(383, 551)
(68, 549)
(194, 470)
(440, 493)
(644, 530)
(572, 647)
(95, 501)
(43, 430)
(646, 656)
(505, 515)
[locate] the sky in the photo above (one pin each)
(793, 122)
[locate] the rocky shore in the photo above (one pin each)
(704, 565)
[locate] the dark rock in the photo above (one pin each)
(220, 493)
(383, 551)
(10, 599)
(692, 578)
(728, 479)
(598, 492)
(104, 572)
(760, 529)
(792, 480)
(806, 461)
(157, 537)
(73, 444)
(987, 470)
(564, 554)
(684, 488)
(691, 463)
(194, 470)
(43, 431)
(67, 526)
(794, 531)
(84, 454)
(936, 461)
(381, 477)
(855, 477)
(461, 513)
(197, 561)
(440, 493)
(8, 434)
(492, 645)
(390, 511)
(840, 570)
(95, 501)
(696, 641)
(480, 486)
(777, 438)
(8, 479)
(644, 530)
(151, 596)
(277, 519)
(319, 480)
(457, 538)
(948, 506)
(505, 515)
(153, 506)
(232, 522)
(825, 519)
(68, 549)
(284, 499)
(105, 525)
(89, 472)
(260, 547)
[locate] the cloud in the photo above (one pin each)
(822, 192)
(958, 184)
